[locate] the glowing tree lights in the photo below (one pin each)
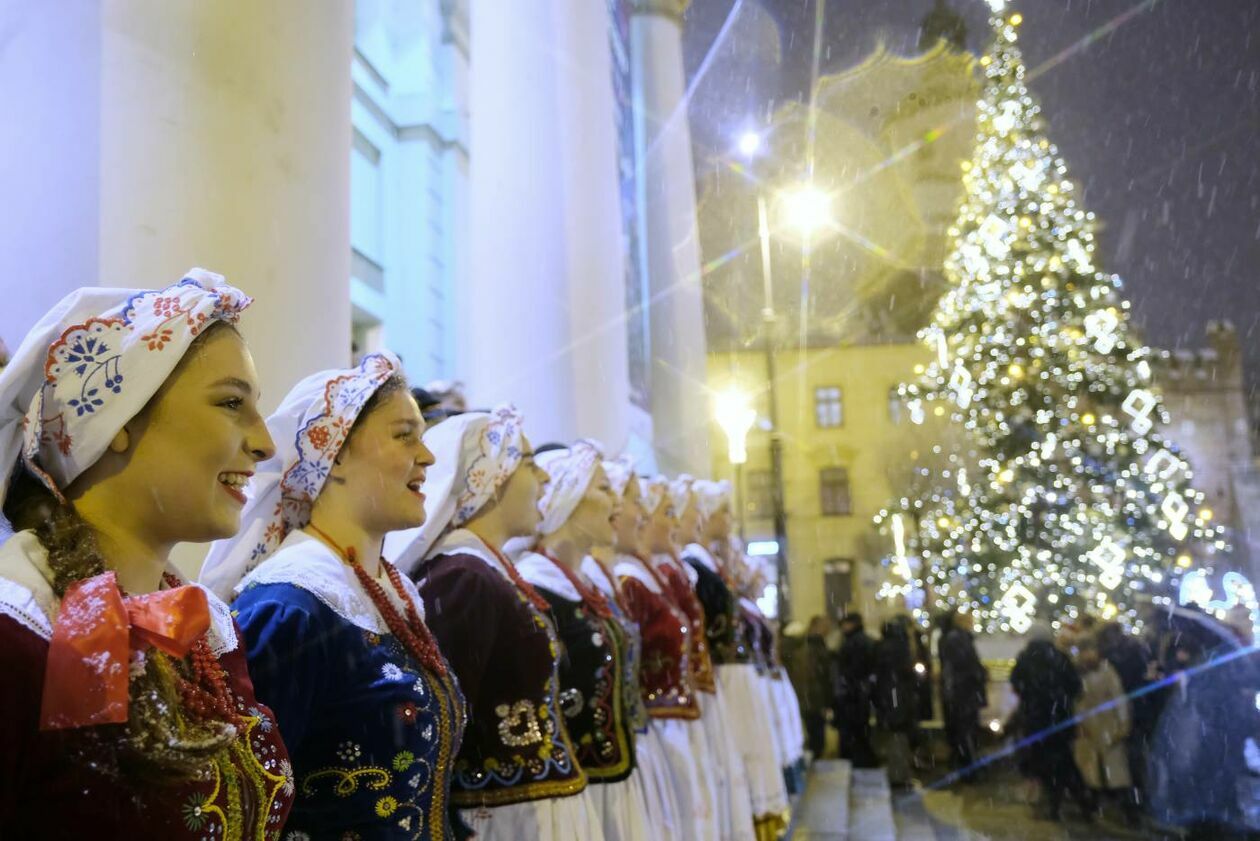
(1067, 498)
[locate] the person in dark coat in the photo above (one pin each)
(809, 668)
(1047, 684)
(1198, 774)
(855, 674)
(923, 670)
(1134, 663)
(964, 688)
(896, 698)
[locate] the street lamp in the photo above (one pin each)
(734, 414)
(805, 209)
(749, 144)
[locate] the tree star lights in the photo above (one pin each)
(1064, 495)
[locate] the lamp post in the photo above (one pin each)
(805, 209)
(734, 414)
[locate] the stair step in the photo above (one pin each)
(912, 819)
(870, 812)
(823, 814)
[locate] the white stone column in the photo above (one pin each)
(598, 350)
(147, 138)
(50, 57)
(513, 311)
(541, 317)
(680, 407)
(224, 134)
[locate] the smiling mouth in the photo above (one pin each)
(234, 483)
(415, 487)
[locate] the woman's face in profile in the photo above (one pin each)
(191, 450)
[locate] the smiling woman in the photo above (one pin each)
(517, 775)
(335, 636)
(577, 512)
(125, 417)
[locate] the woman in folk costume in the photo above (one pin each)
(789, 730)
(335, 635)
(516, 775)
(653, 772)
(659, 571)
(742, 692)
(128, 423)
(716, 622)
(577, 510)
(679, 805)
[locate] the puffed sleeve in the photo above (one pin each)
(287, 636)
(463, 602)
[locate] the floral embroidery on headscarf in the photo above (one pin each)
(499, 454)
(620, 472)
(99, 373)
(571, 472)
(324, 431)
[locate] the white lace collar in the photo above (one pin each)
(26, 593)
(628, 566)
(465, 542)
(594, 572)
(311, 565)
(541, 572)
(701, 554)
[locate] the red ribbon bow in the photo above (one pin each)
(89, 655)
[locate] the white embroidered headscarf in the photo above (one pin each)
(620, 472)
(309, 429)
(711, 496)
(571, 471)
(476, 452)
(92, 363)
(654, 491)
(680, 491)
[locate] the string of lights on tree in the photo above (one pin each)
(1068, 499)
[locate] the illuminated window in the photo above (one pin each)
(759, 490)
(833, 491)
(829, 406)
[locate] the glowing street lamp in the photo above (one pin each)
(805, 209)
(736, 417)
(749, 143)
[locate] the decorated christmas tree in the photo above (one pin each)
(1065, 497)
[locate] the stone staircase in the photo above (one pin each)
(841, 803)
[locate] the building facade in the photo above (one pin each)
(850, 450)
(848, 447)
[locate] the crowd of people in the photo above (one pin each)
(411, 622)
(1162, 729)
(890, 682)
(1163, 725)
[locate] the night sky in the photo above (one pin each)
(1154, 104)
